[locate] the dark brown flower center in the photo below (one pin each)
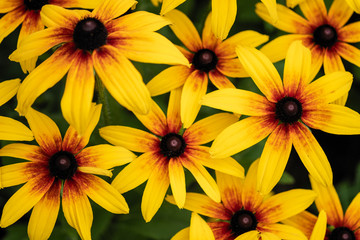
(342, 233)
(172, 145)
(243, 221)
(63, 165)
(205, 60)
(34, 4)
(288, 110)
(325, 35)
(90, 34)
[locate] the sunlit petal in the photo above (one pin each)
(11, 129)
(315, 11)
(231, 191)
(219, 80)
(110, 9)
(10, 22)
(223, 17)
(351, 218)
(177, 181)
(199, 229)
(169, 5)
(339, 13)
(319, 229)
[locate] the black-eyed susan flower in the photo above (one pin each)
(11, 129)
(325, 33)
(209, 57)
(27, 13)
(103, 40)
(339, 226)
(284, 114)
(167, 151)
(245, 214)
(60, 170)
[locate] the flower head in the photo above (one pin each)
(27, 13)
(103, 40)
(60, 167)
(284, 114)
(244, 213)
(209, 58)
(166, 151)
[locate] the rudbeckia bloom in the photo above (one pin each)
(325, 33)
(11, 129)
(167, 151)
(209, 57)
(244, 213)
(60, 168)
(339, 226)
(284, 114)
(103, 40)
(27, 12)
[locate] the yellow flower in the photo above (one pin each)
(210, 58)
(244, 213)
(28, 12)
(103, 40)
(58, 161)
(167, 151)
(284, 114)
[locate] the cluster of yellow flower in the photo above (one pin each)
(94, 48)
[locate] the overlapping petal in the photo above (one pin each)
(199, 229)
(7, 6)
(339, 13)
(351, 218)
(315, 11)
(223, 17)
(11, 129)
(354, 4)
(13, 174)
(59, 17)
(24, 151)
(319, 229)
(219, 80)
(169, 5)
(271, 7)
(349, 53)
(11, 21)
(173, 112)
(177, 181)
(110, 9)
(231, 191)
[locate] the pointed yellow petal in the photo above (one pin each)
(328, 200)
(271, 7)
(317, 60)
(177, 181)
(131, 138)
(46, 75)
(24, 199)
(194, 89)
(155, 190)
(110, 9)
(349, 53)
(219, 80)
(8, 89)
(77, 209)
(339, 13)
(46, 133)
(252, 235)
(274, 158)
(124, 76)
(205, 180)
(13, 174)
(24, 151)
(11, 21)
(241, 135)
(173, 111)
(315, 11)
(332, 62)
(208, 38)
(231, 190)
(11, 129)
(335, 119)
(350, 33)
(206, 129)
(105, 195)
(304, 221)
(351, 218)
(167, 80)
(293, 3)
(95, 170)
(199, 229)
(320, 227)
(285, 232)
(284, 205)
(182, 234)
(56, 16)
(251, 198)
(169, 5)
(262, 71)
(43, 216)
(238, 101)
(184, 30)
(354, 4)
(231, 68)
(223, 17)
(311, 154)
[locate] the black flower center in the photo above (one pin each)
(325, 35)
(34, 4)
(342, 233)
(243, 221)
(205, 60)
(172, 145)
(90, 34)
(62, 165)
(288, 110)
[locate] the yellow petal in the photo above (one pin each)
(339, 13)
(332, 62)
(124, 76)
(46, 132)
(219, 80)
(24, 151)
(43, 216)
(274, 158)
(285, 232)
(194, 89)
(8, 89)
(231, 191)
(177, 181)
(271, 7)
(173, 111)
(169, 5)
(238, 101)
(285, 204)
(328, 200)
(11, 129)
(241, 135)
(354, 4)
(223, 17)
(350, 33)
(11, 21)
(167, 80)
(199, 229)
(184, 30)
(251, 198)
(13, 174)
(320, 227)
(293, 3)
(154, 193)
(311, 154)
(95, 170)
(110, 9)
(7, 6)
(315, 11)
(351, 218)
(262, 71)
(89, 4)
(56, 16)
(252, 235)
(206, 129)
(182, 234)
(349, 53)
(231, 68)
(209, 39)
(304, 221)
